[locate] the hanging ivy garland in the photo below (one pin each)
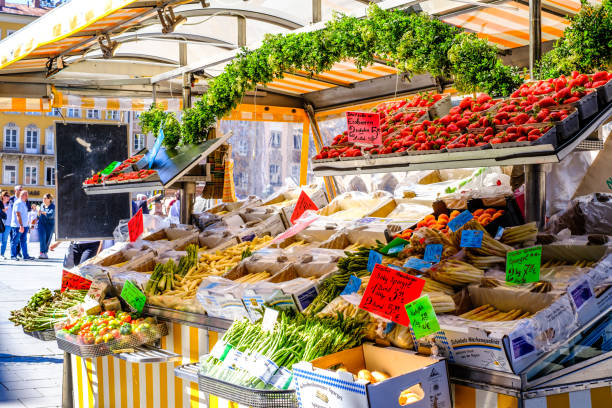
(413, 42)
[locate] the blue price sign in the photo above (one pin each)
(460, 220)
(471, 239)
(373, 259)
(156, 146)
(418, 264)
(433, 253)
(352, 286)
(500, 233)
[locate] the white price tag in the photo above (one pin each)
(269, 319)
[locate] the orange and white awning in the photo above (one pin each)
(61, 100)
(25, 104)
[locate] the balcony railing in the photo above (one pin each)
(22, 149)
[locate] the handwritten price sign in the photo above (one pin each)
(303, 203)
(75, 282)
(523, 265)
(388, 291)
(422, 317)
(363, 128)
(133, 296)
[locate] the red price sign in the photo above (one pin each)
(364, 128)
(388, 291)
(303, 203)
(72, 281)
(135, 227)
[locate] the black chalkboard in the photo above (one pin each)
(83, 149)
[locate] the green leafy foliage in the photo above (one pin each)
(151, 120)
(414, 42)
(476, 67)
(586, 45)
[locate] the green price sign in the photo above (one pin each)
(523, 265)
(422, 317)
(133, 296)
(108, 170)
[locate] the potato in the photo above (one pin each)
(366, 375)
(380, 376)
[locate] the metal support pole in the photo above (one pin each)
(154, 88)
(186, 75)
(535, 34)
(330, 182)
(67, 401)
(535, 194)
(316, 11)
(187, 201)
(241, 20)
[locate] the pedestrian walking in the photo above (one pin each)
(19, 227)
(141, 202)
(5, 227)
(46, 225)
(12, 200)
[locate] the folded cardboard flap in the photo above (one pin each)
(363, 206)
(170, 234)
(247, 267)
(388, 360)
(294, 271)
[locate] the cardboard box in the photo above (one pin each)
(318, 386)
(221, 298)
(217, 241)
(271, 225)
(285, 201)
(409, 210)
(513, 346)
(365, 235)
(227, 208)
(347, 208)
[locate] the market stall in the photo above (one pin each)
(444, 292)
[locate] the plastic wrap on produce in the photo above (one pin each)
(221, 297)
(563, 180)
(176, 302)
(354, 205)
(205, 220)
(140, 279)
(151, 223)
(590, 214)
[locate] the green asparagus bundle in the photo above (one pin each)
(253, 357)
(46, 308)
(355, 263)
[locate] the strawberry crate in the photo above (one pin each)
(569, 126)
(604, 94)
(550, 137)
(587, 106)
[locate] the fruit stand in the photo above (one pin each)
(443, 294)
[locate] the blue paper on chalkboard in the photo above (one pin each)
(418, 264)
(460, 220)
(352, 286)
(433, 253)
(373, 259)
(471, 239)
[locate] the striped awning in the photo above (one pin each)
(342, 74)
(508, 27)
(25, 104)
(61, 100)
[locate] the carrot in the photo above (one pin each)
(490, 211)
(478, 212)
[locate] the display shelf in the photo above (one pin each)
(558, 371)
(149, 354)
(188, 372)
(191, 319)
(171, 167)
(537, 154)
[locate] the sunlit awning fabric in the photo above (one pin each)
(25, 104)
(61, 100)
(55, 32)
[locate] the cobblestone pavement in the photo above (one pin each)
(30, 369)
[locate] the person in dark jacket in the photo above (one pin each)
(46, 224)
(4, 220)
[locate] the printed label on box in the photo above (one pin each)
(580, 292)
